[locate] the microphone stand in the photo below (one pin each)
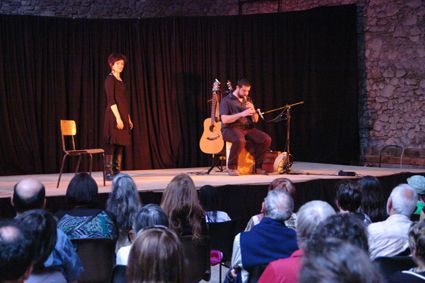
(286, 163)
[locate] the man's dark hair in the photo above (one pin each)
(338, 261)
(348, 196)
(345, 226)
(82, 190)
(16, 252)
(243, 82)
(22, 204)
(41, 225)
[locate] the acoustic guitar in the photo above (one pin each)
(212, 140)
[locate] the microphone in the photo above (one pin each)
(260, 113)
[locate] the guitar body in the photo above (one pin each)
(212, 140)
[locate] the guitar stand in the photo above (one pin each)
(216, 162)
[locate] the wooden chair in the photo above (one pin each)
(69, 129)
(197, 257)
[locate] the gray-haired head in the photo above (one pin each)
(402, 200)
(278, 205)
(123, 201)
(309, 216)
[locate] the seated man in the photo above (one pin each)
(287, 270)
(238, 116)
(267, 241)
(16, 253)
(30, 194)
(390, 237)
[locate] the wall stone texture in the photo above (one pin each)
(391, 46)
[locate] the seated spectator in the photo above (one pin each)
(180, 202)
(41, 225)
(373, 202)
(148, 216)
(16, 253)
(417, 247)
(122, 204)
(345, 227)
(156, 256)
(267, 241)
(389, 237)
(337, 261)
(417, 182)
(208, 197)
(279, 183)
(30, 194)
(308, 217)
(348, 200)
(84, 220)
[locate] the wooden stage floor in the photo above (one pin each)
(157, 180)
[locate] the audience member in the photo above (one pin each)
(148, 216)
(337, 261)
(122, 204)
(417, 248)
(41, 225)
(279, 183)
(16, 253)
(373, 199)
(348, 199)
(156, 256)
(267, 241)
(287, 270)
(389, 237)
(208, 197)
(345, 227)
(180, 202)
(417, 182)
(84, 220)
(30, 194)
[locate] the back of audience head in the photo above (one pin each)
(373, 202)
(156, 256)
(309, 216)
(148, 216)
(208, 196)
(348, 197)
(417, 242)
(123, 201)
(284, 184)
(337, 261)
(181, 203)
(417, 182)
(402, 200)
(278, 205)
(16, 252)
(82, 190)
(28, 194)
(345, 227)
(41, 225)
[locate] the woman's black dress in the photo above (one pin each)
(116, 93)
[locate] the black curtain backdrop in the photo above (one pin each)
(54, 68)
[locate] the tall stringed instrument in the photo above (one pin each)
(212, 140)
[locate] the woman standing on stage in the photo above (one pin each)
(118, 124)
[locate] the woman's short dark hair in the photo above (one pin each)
(82, 190)
(149, 215)
(41, 225)
(338, 261)
(156, 256)
(348, 196)
(417, 240)
(373, 198)
(114, 57)
(123, 201)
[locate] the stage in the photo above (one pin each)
(241, 196)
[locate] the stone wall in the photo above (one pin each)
(391, 37)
